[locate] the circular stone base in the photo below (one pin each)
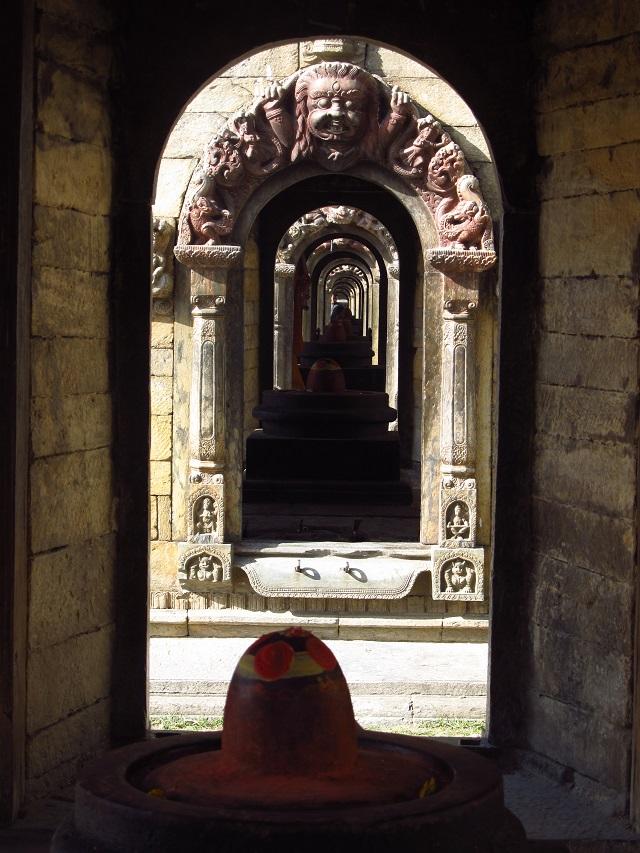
(116, 813)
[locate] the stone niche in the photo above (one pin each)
(407, 131)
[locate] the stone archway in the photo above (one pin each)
(263, 150)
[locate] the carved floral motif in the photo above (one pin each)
(336, 114)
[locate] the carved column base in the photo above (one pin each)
(458, 502)
(457, 575)
(204, 568)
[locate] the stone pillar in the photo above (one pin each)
(458, 425)
(215, 465)
(283, 326)
(393, 338)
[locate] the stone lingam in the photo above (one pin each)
(291, 770)
(327, 443)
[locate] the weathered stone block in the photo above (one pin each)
(173, 178)
(191, 134)
(161, 333)
(604, 70)
(604, 363)
(597, 611)
(76, 737)
(161, 436)
(164, 517)
(67, 677)
(226, 95)
(589, 235)
(72, 174)
(76, 47)
(71, 591)
(595, 748)
(437, 96)
(391, 63)
(593, 476)
(584, 413)
(161, 395)
(69, 303)
(160, 478)
(277, 62)
(564, 23)
(607, 306)
(473, 143)
(163, 565)
(600, 543)
(61, 366)
(153, 517)
(66, 424)
(602, 170)
(70, 240)
(70, 499)
(598, 125)
(161, 362)
(94, 14)
(71, 107)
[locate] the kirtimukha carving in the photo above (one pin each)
(336, 114)
(162, 273)
(204, 567)
(458, 574)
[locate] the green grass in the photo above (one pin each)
(442, 727)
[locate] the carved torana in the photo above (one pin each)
(336, 115)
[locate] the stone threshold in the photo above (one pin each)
(249, 623)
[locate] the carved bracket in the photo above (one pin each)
(457, 575)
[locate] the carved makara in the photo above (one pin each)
(336, 114)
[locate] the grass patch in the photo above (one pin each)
(442, 727)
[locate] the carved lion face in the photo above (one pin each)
(337, 108)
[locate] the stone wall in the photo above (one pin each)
(584, 491)
(71, 616)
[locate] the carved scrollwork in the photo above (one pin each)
(336, 114)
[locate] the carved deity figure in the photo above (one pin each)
(206, 517)
(162, 274)
(413, 160)
(205, 569)
(460, 576)
(458, 527)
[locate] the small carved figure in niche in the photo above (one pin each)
(459, 576)
(206, 517)
(458, 527)
(205, 569)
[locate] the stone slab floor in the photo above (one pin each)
(390, 682)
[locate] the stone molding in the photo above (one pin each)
(455, 260)
(204, 258)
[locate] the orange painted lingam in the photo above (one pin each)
(291, 769)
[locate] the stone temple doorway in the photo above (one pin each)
(362, 174)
